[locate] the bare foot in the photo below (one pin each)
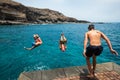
(92, 74)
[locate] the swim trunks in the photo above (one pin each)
(93, 50)
(63, 42)
(33, 43)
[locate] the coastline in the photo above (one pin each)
(8, 22)
(15, 14)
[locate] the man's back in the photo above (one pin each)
(95, 48)
(95, 37)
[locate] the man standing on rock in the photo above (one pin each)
(94, 49)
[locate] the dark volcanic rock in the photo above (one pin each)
(15, 12)
(12, 11)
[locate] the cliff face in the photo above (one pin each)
(46, 16)
(11, 11)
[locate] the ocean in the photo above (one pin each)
(14, 59)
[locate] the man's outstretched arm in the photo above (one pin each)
(109, 43)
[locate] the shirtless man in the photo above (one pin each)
(62, 42)
(37, 42)
(94, 49)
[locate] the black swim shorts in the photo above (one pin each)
(63, 42)
(93, 50)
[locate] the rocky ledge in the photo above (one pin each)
(12, 12)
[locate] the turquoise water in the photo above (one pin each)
(14, 59)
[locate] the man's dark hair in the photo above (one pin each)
(91, 26)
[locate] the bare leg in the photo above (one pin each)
(94, 63)
(63, 47)
(30, 48)
(89, 66)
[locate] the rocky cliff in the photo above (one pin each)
(15, 13)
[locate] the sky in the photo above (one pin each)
(90, 10)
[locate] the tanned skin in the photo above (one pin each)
(94, 38)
